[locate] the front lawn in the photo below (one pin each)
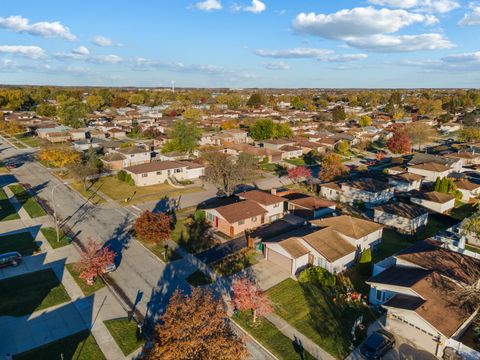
(159, 251)
(124, 332)
(51, 236)
(193, 235)
(296, 162)
(86, 289)
(25, 294)
(269, 336)
(23, 242)
(30, 140)
(199, 278)
(235, 262)
(7, 211)
(80, 346)
(31, 206)
(320, 314)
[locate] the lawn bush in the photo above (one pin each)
(199, 215)
(365, 262)
(122, 175)
(317, 275)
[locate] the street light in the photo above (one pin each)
(55, 212)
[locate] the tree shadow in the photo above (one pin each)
(196, 235)
(119, 240)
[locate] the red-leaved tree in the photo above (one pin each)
(379, 156)
(248, 296)
(399, 143)
(299, 172)
(153, 227)
(94, 260)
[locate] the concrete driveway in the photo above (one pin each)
(268, 274)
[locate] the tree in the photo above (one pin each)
(469, 134)
(365, 120)
(247, 296)
(184, 137)
(256, 100)
(282, 131)
(421, 133)
(192, 114)
(136, 99)
(153, 227)
(45, 109)
(119, 102)
(88, 167)
(72, 113)
(195, 327)
(94, 259)
(299, 172)
(226, 174)
(59, 157)
(343, 147)
(332, 168)
(399, 143)
(338, 114)
(297, 103)
(95, 102)
(262, 129)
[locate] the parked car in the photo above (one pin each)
(377, 344)
(109, 268)
(11, 166)
(10, 258)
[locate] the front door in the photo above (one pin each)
(310, 259)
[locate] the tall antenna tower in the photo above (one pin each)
(173, 86)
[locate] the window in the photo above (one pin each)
(276, 205)
(144, 175)
(159, 173)
(254, 219)
(241, 222)
(380, 295)
(132, 156)
(210, 216)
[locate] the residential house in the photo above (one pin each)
(430, 171)
(134, 155)
(469, 158)
(405, 218)
(468, 189)
(417, 288)
(306, 206)
(116, 133)
(159, 172)
(273, 204)
(434, 200)
(290, 152)
(173, 156)
(331, 243)
(405, 182)
(272, 156)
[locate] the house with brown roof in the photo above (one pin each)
(403, 217)
(417, 287)
(434, 200)
(306, 206)
(468, 189)
(331, 243)
(273, 204)
(159, 172)
(405, 181)
(430, 171)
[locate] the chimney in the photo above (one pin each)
(273, 191)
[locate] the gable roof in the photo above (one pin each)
(329, 243)
(348, 225)
(435, 167)
(367, 184)
(240, 210)
(421, 158)
(311, 202)
(261, 197)
(294, 247)
(408, 211)
(154, 166)
(433, 196)
(466, 185)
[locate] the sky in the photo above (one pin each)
(241, 43)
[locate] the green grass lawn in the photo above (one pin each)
(473, 248)
(80, 346)
(311, 310)
(192, 235)
(296, 162)
(462, 210)
(236, 262)
(31, 206)
(159, 251)
(23, 242)
(25, 294)
(392, 242)
(198, 278)
(86, 289)
(51, 236)
(30, 140)
(7, 211)
(269, 336)
(124, 332)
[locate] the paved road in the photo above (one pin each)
(140, 277)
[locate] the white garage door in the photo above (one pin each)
(280, 260)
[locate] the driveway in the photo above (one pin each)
(268, 274)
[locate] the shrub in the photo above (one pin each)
(317, 275)
(199, 216)
(121, 175)
(365, 262)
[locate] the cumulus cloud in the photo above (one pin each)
(431, 6)
(401, 43)
(32, 52)
(20, 24)
(275, 65)
(209, 5)
(81, 50)
(256, 7)
(358, 22)
(82, 53)
(100, 40)
(304, 53)
(471, 18)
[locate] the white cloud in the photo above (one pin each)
(431, 6)
(401, 43)
(465, 58)
(358, 22)
(303, 53)
(104, 59)
(471, 18)
(81, 50)
(209, 5)
(102, 41)
(20, 24)
(256, 7)
(275, 65)
(457, 62)
(32, 52)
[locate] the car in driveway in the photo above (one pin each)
(377, 345)
(10, 259)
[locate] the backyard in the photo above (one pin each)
(80, 346)
(25, 294)
(23, 242)
(31, 206)
(124, 332)
(321, 314)
(7, 211)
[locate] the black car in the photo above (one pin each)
(10, 258)
(377, 345)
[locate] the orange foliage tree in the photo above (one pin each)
(332, 167)
(59, 157)
(153, 227)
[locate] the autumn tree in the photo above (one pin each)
(247, 296)
(94, 102)
(45, 109)
(299, 172)
(332, 168)
(59, 157)
(136, 99)
(153, 227)
(282, 130)
(94, 260)
(226, 173)
(365, 120)
(469, 134)
(421, 133)
(263, 129)
(192, 114)
(184, 137)
(399, 143)
(72, 113)
(195, 327)
(88, 167)
(256, 100)
(343, 147)
(338, 114)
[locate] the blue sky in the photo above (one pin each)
(241, 43)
